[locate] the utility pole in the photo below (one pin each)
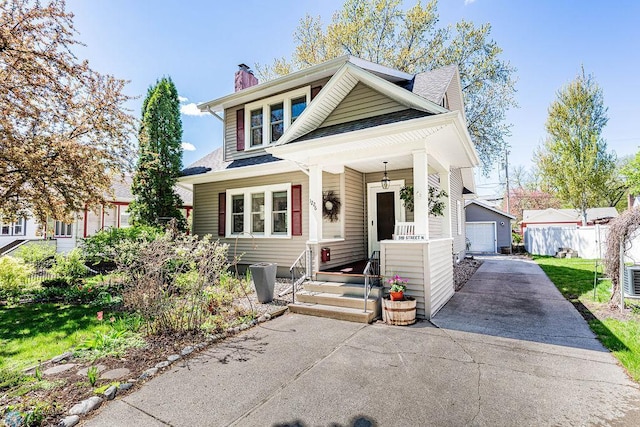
(506, 174)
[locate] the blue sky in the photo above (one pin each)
(200, 43)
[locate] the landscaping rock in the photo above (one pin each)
(85, 406)
(173, 357)
(63, 356)
(244, 327)
(148, 373)
(125, 386)
(201, 345)
(115, 374)
(267, 316)
(69, 421)
(59, 368)
(262, 318)
(83, 372)
(110, 393)
(187, 350)
(162, 364)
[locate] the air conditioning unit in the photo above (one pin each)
(632, 281)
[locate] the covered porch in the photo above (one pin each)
(418, 153)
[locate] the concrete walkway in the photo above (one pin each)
(495, 360)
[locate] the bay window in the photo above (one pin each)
(260, 211)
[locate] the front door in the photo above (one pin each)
(384, 210)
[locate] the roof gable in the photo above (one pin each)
(337, 90)
(489, 208)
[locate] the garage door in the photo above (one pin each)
(482, 236)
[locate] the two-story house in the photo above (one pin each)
(313, 164)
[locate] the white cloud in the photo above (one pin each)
(466, 2)
(191, 110)
(187, 146)
(183, 99)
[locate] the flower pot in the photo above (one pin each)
(396, 296)
(401, 312)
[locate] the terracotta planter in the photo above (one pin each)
(399, 312)
(396, 296)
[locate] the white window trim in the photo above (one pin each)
(12, 228)
(66, 226)
(264, 104)
(268, 191)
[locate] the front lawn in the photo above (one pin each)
(618, 331)
(37, 332)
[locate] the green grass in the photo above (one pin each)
(33, 332)
(574, 278)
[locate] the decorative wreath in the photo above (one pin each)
(330, 206)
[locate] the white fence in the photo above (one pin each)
(589, 242)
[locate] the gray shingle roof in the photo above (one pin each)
(122, 190)
(433, 84)
(369, 122)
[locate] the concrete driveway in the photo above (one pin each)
(507, 350)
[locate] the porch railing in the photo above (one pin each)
(300, 271)
(371, 273)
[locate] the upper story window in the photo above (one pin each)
(62, 230)
(266, 120)
(14, 229)
(260, 211)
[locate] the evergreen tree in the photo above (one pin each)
(574, 160)
(160, 158)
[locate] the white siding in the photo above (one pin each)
(360, 103)
(429, 268)
(459, 243)
(440, 273)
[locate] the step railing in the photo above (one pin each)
(300, 271)
(371, 272)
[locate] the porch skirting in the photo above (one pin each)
(427, 264)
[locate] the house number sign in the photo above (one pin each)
(313, 204)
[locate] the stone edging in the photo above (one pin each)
(94, 402)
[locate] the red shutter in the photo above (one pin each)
(240, 130)
(314, 91)
(296, 210)
(222, 213)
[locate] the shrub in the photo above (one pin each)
(37, 254)
(14, 274)
(70, 266)
(167, 280)
(102, 247)
(58, 282)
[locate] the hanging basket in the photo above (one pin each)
(402, 312)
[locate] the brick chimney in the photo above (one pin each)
(244, 78)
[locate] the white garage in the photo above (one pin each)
(482, 236)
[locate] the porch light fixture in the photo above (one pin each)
(385, 179)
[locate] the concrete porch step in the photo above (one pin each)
(337, 300)
(333, 312)
(347, 289)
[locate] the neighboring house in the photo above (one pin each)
(68, 235)
(488, 229)
(565, 217)
(301, 173)
(17, 233)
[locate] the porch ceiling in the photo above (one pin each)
(365, 150)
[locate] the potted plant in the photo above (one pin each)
(398, 286)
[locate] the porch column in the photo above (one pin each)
(315, 203)
(421, 193)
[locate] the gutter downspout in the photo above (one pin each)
(213, 113)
